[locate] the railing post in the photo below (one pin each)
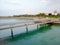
(26, 28)
(11, 31)
(37, 26)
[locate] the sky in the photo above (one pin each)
(19, 7)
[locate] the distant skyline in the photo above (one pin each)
(16, 7)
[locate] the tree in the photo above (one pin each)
(50, 14)
(41, 14)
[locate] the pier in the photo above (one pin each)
(25, 25)
(15, 25)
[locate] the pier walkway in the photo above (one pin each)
(18, 24)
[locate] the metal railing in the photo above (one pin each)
(11, 26)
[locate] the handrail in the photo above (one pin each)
(26, 25)
(11, 25)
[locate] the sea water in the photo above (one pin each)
(46, 35)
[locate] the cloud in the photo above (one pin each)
(28, 6)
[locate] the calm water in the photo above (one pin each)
(46, 35)
(9, 20)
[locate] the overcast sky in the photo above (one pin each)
(15, 7)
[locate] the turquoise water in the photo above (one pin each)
(47, 35)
